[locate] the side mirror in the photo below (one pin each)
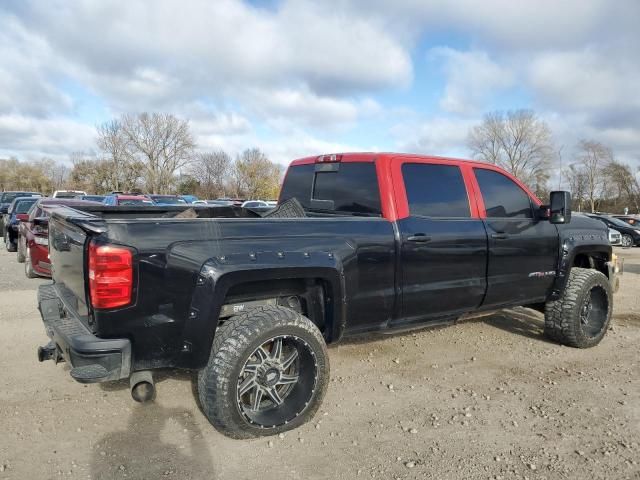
(22, 217)
(560, 207)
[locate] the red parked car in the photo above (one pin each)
(33, 236)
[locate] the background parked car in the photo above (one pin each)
(33, 236)
(18, 209)
(615, 237)
(167, 199)
(234, 201)
(124, 199)
(630, 219)
(257, 205)
(7, 197)
(68, 193)
(189, 198)
(92, 198)
(630, 234)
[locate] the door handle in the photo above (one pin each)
(419, 237)
(499, 236)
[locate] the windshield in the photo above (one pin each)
(23, 206)
(169, 200)
(9, 197)
(618, 222)
(134, 201)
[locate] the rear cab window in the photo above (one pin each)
(435, 190)
(346, 188)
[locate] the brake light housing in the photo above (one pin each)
(332, 158)
(110, 276)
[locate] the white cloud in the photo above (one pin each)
(588, 80)
(442, 136)
(505, 24)
(471, 78)
(139, 54)
(25, 72)
(54, 137)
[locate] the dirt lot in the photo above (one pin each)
(487, 398)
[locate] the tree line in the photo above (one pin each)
(522, 143)
(156, 153)
(152, 153)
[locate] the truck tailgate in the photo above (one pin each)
(67, 253)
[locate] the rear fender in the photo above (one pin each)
(220, 274)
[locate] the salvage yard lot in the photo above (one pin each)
(487, 398)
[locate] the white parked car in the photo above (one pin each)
(255, 204)
(68, 193)
(615, 237)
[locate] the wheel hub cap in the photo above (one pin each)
(277, 381)
(270, 377)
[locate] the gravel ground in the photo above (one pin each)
(488, 399)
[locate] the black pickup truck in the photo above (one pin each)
(359, 243)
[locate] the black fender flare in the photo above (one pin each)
(219, 274)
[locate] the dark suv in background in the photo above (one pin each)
(7, 197)
(630, 233)
(16, 212)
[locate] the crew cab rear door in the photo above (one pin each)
(443, 254)
(523, 249)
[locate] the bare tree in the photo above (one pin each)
(517, 141)
(162, 142)
(255, 176)
(211, 170)
(577, 182)
(592, 158)
(621, 177)
(113, 142)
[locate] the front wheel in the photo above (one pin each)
(627, 241)
(267, 373)
(581, 316)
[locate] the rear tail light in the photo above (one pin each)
(333, 158)
(110, 276)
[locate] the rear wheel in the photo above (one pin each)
(627, 241)
(28, 266)
(580, 317)
(267, 373)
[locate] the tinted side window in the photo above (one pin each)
(352, 187)
(503, 198)
(435, 190)
(297, 184)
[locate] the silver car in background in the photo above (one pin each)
(615, 237)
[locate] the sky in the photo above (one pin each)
(300, 77)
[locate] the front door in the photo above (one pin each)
(523, 249)
(443, 246)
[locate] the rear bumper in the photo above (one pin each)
(92, 359)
